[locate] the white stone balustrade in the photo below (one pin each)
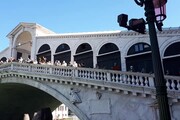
(108, 76)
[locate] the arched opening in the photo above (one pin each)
(84, 55)
(63, 53)
(30, 91)
(109, 57)
(23, 45)
(18, 99)
(139, 58)
(44, 52)
(3, 59)
(171, 60)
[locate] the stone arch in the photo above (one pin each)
(84, 55)
(63, 53)
(109, 57)
(44, 52)
(166, 44)
(139, 58)
(171, 59)
(3, 59)
(131, 43)
(51, 91)
(100, 45)
(22, 45)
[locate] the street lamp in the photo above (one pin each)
(152, 18)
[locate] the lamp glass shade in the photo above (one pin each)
(160, 13)
(159, 3)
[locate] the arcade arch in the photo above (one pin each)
(171, 59)
(3, 59)
(63, 53)
(109, 57)
(84, 55)
(44, 53)
(139, 58)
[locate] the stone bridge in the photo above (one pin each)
(92, 94)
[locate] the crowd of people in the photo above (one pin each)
(42, 61)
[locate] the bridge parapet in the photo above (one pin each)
(134, 83)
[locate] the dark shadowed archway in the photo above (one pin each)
(3, 59)
(63, 53)
(171, 60)
(84, 55)
(18, 99)
(19, 96)
(44, 51)
(108, 56)
(139, 58)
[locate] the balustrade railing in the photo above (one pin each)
(119, 77)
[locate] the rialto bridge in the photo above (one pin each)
(92, 94)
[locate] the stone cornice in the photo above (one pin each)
(166, 31)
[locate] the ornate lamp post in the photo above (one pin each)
(160, 83)
(155, 14)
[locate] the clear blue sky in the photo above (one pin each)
(64, 16)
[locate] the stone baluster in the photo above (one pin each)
(50, 70)
(97, 75)
(121, 78)
(178, 85)
(128, 79)
(29, 68)
(85, 74)
(141, 80)
(137, 80)
(168, 85)
(12, 66)
(146, 81)
(112, 77)
(67, 72)
(125, 78)
(79, 73)
(75, 73)
(94, 75)
(104, 76)
(101, 76)
(173, 84)
(88, 74)
(117, 78)
(151, 81)
(108, 76)
(133, 80)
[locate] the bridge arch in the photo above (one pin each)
(51, 91)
